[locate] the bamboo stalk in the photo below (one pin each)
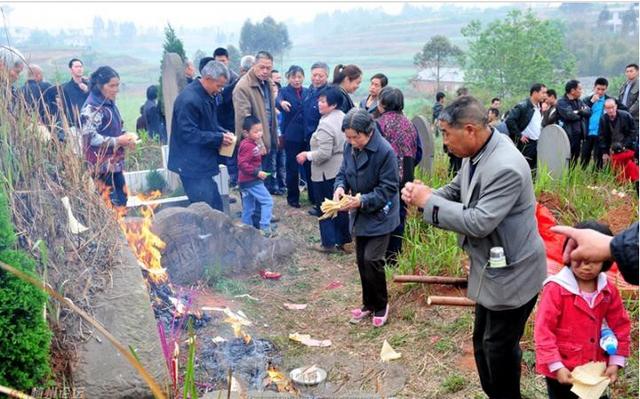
(430, 279)
(449, 301)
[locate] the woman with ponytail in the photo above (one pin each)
(103, 136)
(348, 79)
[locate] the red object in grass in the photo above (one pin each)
(334, 284)
(270, 275)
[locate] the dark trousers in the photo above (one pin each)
(116, 182)
(591, 145)
(202, 189)
(269, 165)
(292, 149)
(395, 241)
(232, 167)
(530, 152)
(370, 257)
(575, 143)
(557, 390)
(280, 168)
(333, 231)
(496, 347)
(455, 163)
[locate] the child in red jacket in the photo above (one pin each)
(251, 176)
(574, 304)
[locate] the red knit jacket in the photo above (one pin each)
(249, 163)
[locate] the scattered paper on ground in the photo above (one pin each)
(305, 339)
(75, 227)
(266, 274)
(388, 353)
(588, 381)
(218, 340)
(247, 296)
(295, 306)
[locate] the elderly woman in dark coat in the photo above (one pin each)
(403, 137)
(103, 134)
(370, 169)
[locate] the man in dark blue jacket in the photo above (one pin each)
(196, 136)
(40, 95)
(75, 92)
(574, 115)
(311, 117)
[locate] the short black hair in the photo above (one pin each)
(152, 92)
(439, 96)
(384, 81)
(274, 71)
(600, 228)
(462, 91)
(293, 70)
(204, 61)
(552, 93)
(82, 63)
(634, 66)
(221, 52)
(391, 99)
(536, 87)
(333, 96)
(494, 111)
(572, 84)
(601, 82)
(494, 99)
(464, 109)
(249, 122)
(359, 120)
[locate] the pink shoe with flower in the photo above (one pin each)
(379, 321)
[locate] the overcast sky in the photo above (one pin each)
(229, 15)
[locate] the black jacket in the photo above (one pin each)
(154, 121)
(196, 135)
(574, 115)
(624, 248)
(373, 173)
(550, 116)
(347, 103)
(226, 114)
(292, 127)
(519, 118)
(41, 98)
(310, 111)
(73, 100)
(621, 130)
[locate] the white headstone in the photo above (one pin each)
(428, 142)
(554, 150)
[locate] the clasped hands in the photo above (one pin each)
(416, 193)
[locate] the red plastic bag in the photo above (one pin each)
(553, 242)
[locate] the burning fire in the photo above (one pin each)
(238, 320)
(282, 383)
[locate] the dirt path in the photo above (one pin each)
(437, 359)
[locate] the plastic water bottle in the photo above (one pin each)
(387, 207)
(608, 340)
(497, 258)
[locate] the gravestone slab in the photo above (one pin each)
(173, 81)
(199, 237)
(428, 142)
(554, 150)
(124, 309)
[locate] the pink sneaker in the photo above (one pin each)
(359, 314)
(379, 321)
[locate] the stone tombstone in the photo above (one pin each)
(173, 81)
(428, 142)
(124, 309)
(554, 150)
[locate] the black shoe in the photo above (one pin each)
(314, 212)
(293, 204)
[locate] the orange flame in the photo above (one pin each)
(146, 245)
(283, 384)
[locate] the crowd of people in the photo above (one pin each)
(364, 157)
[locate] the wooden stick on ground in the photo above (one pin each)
(450, 301)
(430, 280)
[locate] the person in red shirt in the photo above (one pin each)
(575, 303)
(251, 176)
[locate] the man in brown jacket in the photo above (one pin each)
(253, 95)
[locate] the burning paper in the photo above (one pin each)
(388, 353)
(588, 381)
(305, 339)
(282, 383)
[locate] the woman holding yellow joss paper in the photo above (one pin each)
(369, 168)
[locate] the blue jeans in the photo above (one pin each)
(259, 195)
(334, 231)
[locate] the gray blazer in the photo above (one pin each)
(327, 146)
(495, 208)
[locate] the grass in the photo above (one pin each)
(454, 383)
(221, 284)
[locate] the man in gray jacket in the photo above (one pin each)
(490, 203)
